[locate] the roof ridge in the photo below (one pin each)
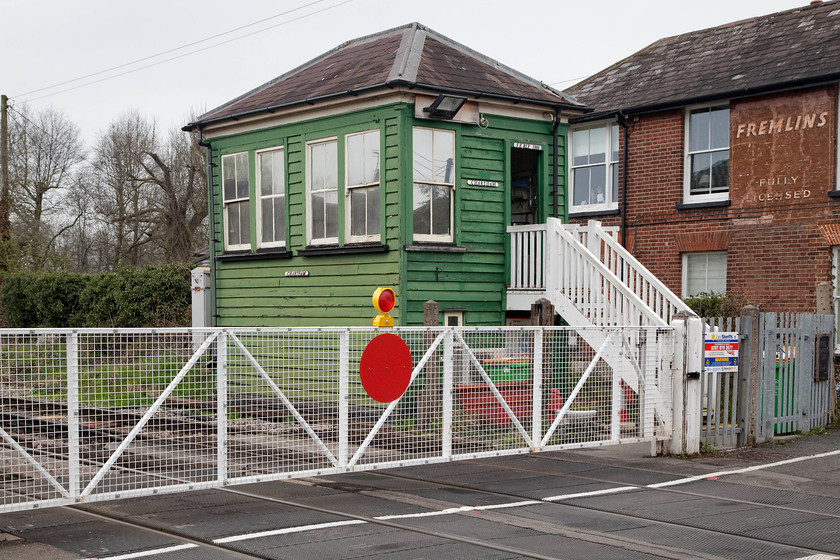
(410, 51)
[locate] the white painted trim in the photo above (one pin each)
(259, 198)
(368, 100)
(688, 198)
(608, 204)
(308, 193)
(348, 226)
(229, 246)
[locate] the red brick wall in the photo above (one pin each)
(776, 252)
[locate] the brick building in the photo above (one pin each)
(716, 152)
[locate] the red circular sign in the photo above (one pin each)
(385, 368)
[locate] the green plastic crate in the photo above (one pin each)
(503, 370)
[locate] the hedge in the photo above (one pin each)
(152, 296)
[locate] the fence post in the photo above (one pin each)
(803, 371)
(343, 397)
(221, 406)
(748, 375)
(767, 378)
(427, 402)
(446, 435)
(73, 458)
(688, 363)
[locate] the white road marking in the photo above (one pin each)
(464, 509)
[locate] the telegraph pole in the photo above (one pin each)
(5, 225)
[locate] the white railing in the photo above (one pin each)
(92, 415)
(648, 288)
(590, 268)
(528, 257)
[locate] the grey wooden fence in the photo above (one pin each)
(785, 380)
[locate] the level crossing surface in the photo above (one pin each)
(771, 501)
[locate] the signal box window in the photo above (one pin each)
(362, 178)
(594, 171)
(271, 184)
(235, 194)
(322, 191)
(434, 184)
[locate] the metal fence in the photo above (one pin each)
(103, 414)
(784, 384)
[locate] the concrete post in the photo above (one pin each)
(825, 298)
(542, 313)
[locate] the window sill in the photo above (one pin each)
(261, 254)
(436, 248)
(695, 205)
(591, 213)
(315, 251)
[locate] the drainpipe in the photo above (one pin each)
(556, 162)
(620, 119)
(211, 219)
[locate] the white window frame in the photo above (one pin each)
(610, 166)
(348, 189)
(835, 270)
(430, 237)
(687, 160)
(685, 275)
(309, 210)
(453, 314)
(837, 159)
(226, 203)
(261, 199)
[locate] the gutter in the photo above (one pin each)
(793, 85)
(391, 84)
(620, 118)
(211, 220)
(556, 163)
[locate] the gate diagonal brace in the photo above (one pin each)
(496, 393)
(286, 402)
(146, 417)
(576, 390)
(381, 422)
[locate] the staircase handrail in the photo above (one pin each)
(602, 275)
(658, 294)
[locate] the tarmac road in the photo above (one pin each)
(779, 501)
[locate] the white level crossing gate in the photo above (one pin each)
(104, 414)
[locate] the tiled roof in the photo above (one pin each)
(793, 47)
(412, 55)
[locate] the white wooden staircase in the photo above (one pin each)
(592, 281)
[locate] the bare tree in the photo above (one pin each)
(124, 203)
(45, 149)
(179, 172)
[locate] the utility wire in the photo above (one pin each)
(178, 49)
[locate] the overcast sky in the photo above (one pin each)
(46, 43)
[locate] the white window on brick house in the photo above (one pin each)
(835, 271)
(271, 186)
(707, 154)
(703, 273)
(434, 184)
(594, 168)
(236, 190)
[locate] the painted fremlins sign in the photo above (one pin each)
(781, 149)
